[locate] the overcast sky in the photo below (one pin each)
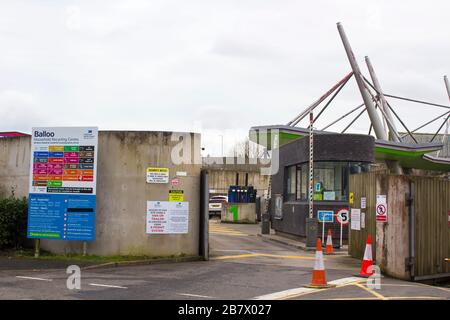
(216, 67)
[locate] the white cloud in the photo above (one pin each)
(165, 64)
(73, 19)
(18, 110)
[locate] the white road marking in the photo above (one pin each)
(106, 285)
(194, 295)
(340, 282)
(299, 291)
(398, 285)
(284, 294)
(33, 278)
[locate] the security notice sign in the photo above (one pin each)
(62, 190)
(157, 175)
(165, 217)
(363, 202)
(355, 219)
(381, 208)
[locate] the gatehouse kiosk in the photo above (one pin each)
(336, 156)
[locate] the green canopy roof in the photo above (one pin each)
(409, 155)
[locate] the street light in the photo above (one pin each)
(221, 135)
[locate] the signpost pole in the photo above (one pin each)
(323, 230)
(37, 247)
(342, 218)
(84, 248)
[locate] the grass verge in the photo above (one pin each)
(45, 255)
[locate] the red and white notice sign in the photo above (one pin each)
(175, 182)
(381, 208)
(448, 218)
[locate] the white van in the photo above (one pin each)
(215, 204)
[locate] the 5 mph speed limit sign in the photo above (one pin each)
(342, 216)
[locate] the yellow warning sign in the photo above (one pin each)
(157, 175)
(176, 195)
(351, 198)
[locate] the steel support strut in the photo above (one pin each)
(303, 114)
(377, 125)
(393, 134)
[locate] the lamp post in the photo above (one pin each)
(221, 135)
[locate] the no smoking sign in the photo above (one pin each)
(381, 208)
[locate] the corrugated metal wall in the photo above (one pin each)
(432, 230)
(363, 185)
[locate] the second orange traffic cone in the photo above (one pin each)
(319, 276)
(367, 260)
(329, 246)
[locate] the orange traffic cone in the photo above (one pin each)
(319, 277)
(329, 246)
(367, 260)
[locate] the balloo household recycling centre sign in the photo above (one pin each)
(62, 191)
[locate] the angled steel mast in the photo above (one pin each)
(444, 136)
(393, 134)
(374, 119)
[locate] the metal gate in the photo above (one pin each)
(363, 185)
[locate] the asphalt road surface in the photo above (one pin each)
(242, 266)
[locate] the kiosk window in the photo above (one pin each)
(330, 181)
(291, 183)
(299, 183)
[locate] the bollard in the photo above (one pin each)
(265, 224)
(311, 232)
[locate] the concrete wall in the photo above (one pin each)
(245, 212)
(122, 192)
(14, 166)
(219, 181)
(392, 236)
(223, 171)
